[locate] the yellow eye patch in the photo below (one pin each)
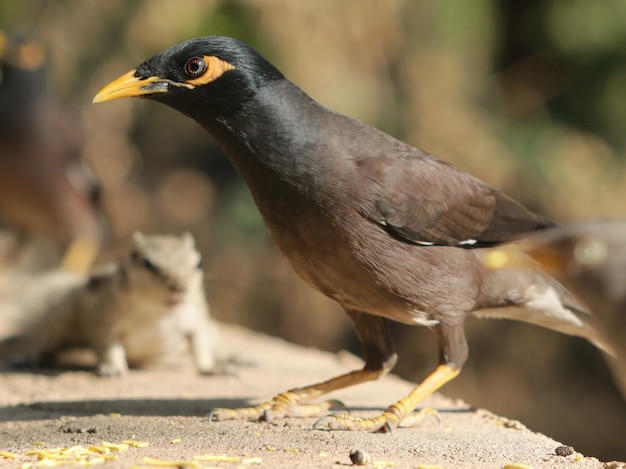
(215, 68)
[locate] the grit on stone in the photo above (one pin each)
(167, 408)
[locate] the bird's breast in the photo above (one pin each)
(355, 262)
(313, 207)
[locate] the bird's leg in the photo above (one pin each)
(80, 255)
(452, 355)
(379, 360)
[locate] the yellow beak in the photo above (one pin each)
(128, 85)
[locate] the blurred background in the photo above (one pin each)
(527, 95)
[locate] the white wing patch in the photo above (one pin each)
(421, 318)
(468, 242)
(542, 306)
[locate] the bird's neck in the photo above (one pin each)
(274, 133)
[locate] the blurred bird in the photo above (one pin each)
(387, 230)
(589, 258)
(45, 186)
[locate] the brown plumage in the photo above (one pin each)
(589, 257)
(45, 185)
(383, 228)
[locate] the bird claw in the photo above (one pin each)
(244, 413)
(384, 423)
(416, 418)
(346, 421)
(282, 406)
(301, 410)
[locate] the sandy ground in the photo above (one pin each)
(167, 408)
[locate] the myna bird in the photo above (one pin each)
(589, 258)
(45, 185)
(388, 231)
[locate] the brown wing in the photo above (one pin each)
(424, 200)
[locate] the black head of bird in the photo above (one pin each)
(191, 72)
(388, 231)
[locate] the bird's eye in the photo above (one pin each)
(195, 67)
(149, 265)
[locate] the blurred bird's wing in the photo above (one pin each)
(424, 200)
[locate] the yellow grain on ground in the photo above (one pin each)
(7, 455)
(93, 461)
(77, 449)
(79, 455)
(114, 447)
(383, 463)
(136, 443)
(99, 449)
(45, 454)
(46, 463)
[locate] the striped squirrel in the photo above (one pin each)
(135, 313)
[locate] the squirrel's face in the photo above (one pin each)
(163, 268)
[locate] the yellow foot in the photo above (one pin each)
(416, 418)
(384, 423)
(287, 404)
(381, 424)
